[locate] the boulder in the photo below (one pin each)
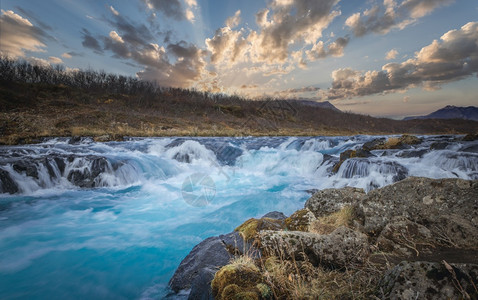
(328, 201)
(300, 220)
(406, 238)
(212, 253)
(7, 184)
(403, 142)
(351, 154)
(448, 207)
(430, 280)
(341, 248)
(276, 215)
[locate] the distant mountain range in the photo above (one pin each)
(451, 112)
(325, 104)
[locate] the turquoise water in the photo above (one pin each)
(124, 238)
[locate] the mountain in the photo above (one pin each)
(325, 104)
(451, 112)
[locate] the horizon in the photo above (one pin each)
(385, 59)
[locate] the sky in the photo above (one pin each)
(389, 58)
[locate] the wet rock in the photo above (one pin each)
(430, 280)
(470, 148)
(403, 142)
(343, 247)
(7, 185)
(88, 177)
(328, 201)
(212, 253)
(351, 154)
(470, 137)
(29, 168)
(412, 153)
(440, 145)
(227, 154)
(361, 167)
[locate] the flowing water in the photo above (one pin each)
(86, 220)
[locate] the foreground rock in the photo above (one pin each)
(341, 248)
(430, 280)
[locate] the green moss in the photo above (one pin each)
(265, 290)
(239, 280)
(248, 229)
(299, 221)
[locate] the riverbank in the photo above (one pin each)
(414, 238)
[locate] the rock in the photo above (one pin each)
(470, 137)
(276, 215)
(373, 144)
(7, 185)
(405, 141)
(405, 238)
(28, 168)
(341, 248)
(412, 153)
(448, 207)
(361, 167)
(212, 253)
(249, 229)
(440, 145)
(328, 201)
(227, 154)
(201, 285)
(300, 220)
(86, 177)
(351, 154)
(430, 280)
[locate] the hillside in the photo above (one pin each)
(451, 112)
(38, 102)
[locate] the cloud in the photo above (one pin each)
(55, 60)
(336, 49)
(90, 42)
(132, 33)
(187, 69)
(233, 21)
(115, 37)
(38, 61)
(452, 58)
(169, 8)
(392, 54)
(19, 35)
(70, 54)
(293, 92)
(406, 99)
(383, 18)
(114, 11)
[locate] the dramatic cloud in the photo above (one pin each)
(283, 26)
(383, 18)
(293, 93)
(18, 35)
(70, 54)
(453, 57)
(392, 54)
(188, 67)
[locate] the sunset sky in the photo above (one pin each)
(384, 58)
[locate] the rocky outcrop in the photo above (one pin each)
(328, 201)
(430, 280)
(448, 207)
(212, 254)
(7, 185)
(341, 248)
(419, 221)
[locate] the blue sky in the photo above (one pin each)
(384, 58)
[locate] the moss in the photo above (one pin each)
(237, 281)
(265, 290)
(251, 227)
(248, 229)
(300, 220)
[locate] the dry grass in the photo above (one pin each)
(327, 224)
